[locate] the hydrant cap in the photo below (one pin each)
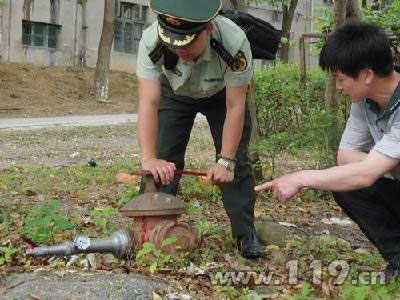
(153, 204)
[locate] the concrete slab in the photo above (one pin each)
(66, 121)
(78, 285)
(72, 121)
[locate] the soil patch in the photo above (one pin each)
(32, 91)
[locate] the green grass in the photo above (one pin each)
(96, 188)
(49, 180)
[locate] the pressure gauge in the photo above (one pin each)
(82, 242)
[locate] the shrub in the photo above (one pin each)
(293, 118)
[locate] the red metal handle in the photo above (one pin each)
(193, 173)
(176, 172)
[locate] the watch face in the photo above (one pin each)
(82, 242)
(229, 166)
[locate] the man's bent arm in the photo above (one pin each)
(348, 177)
(351, 176)
(347, 156)
(233, 125)
(149, 99)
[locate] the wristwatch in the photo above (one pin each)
(228, 163)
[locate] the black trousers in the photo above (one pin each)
(176, 116)
(376, 210)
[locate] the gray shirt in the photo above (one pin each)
(209, 74)
(368, 128)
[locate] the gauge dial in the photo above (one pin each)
(82, 242)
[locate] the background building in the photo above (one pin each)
(62, 32)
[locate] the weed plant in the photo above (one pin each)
(44, 221)
(292, 118)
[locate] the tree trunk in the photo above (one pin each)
(353, 11)
(287, 20)
(239, 5)
(302, 64)
(251, 104)
(331, 100)
(345, 10)
(255, 133)
(104, 50)
(353, 14)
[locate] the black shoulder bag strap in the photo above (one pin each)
(170, 58)
(223, 53)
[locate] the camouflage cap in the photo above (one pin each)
(180, 21)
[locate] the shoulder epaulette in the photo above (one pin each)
(157, 52)
(237, 63)
(222, 52)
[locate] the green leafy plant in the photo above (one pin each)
(5, 217)
(6, 254)
(293, 119)
(296, 248)
(193, 209)
(44, 222)
(387, 17)
(192, 188)
(205, 227)
(227, 292)
(304, 293)
(310, 195)
(247, 294)
(127, 196)
(328, 246)
(5, 222)
(149, 255)
(101, 218)
(373, 291)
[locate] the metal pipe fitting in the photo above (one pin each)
(120, 243)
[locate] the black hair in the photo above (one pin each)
(356, 46)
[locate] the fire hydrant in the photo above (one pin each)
(155, 218)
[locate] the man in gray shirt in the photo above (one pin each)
(360, 57)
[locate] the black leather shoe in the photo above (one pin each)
(249, 247)
(392, 273)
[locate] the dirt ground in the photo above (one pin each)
(72, 146)
(27, 90)
(64, 147)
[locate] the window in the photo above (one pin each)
(130, 22)
(39, 34)
(276, 16)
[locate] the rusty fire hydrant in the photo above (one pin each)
(155, 218)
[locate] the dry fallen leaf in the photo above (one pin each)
(287, 224)
(125, 177)
(232, 262)
(272, 247)
(30, 193)
(204, 181)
